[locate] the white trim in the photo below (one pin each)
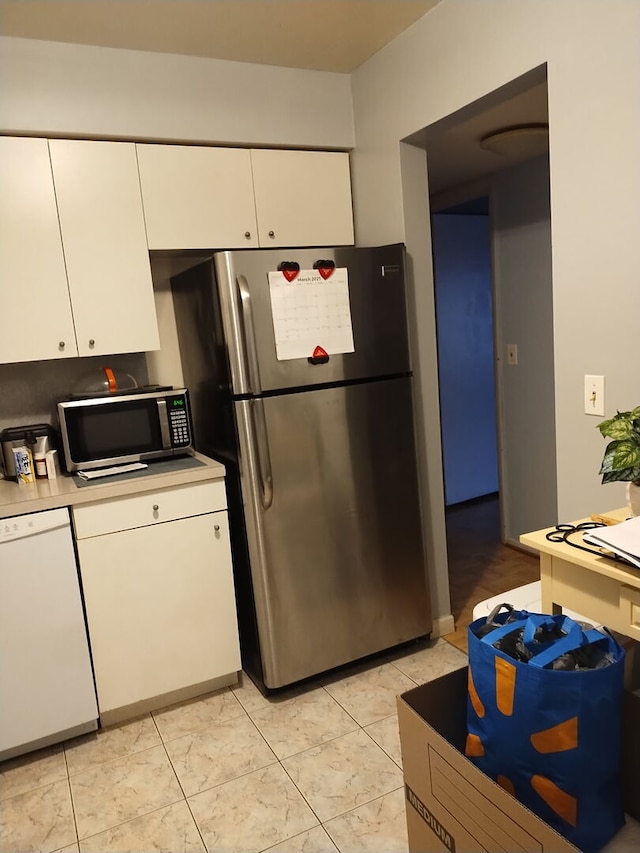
(443, 625)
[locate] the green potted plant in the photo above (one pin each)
(621, 461)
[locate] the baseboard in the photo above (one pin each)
(128, 712)
(443, 625)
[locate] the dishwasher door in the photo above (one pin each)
(46, 682)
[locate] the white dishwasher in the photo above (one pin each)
(46, 682)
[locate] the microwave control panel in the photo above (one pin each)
(179, 421)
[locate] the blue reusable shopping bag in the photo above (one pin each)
(550, 737)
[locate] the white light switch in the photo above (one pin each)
(594, 395)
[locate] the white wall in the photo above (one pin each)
(53, 88)
(457, 53)
(521, 238)
(29, 390)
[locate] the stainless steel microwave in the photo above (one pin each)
(133, 427)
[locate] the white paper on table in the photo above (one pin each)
(311, 311)
(623, 539)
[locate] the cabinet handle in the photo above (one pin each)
(92, 343)
(156, 507)
(216, 527)
(272, 233)
(247, 234)
(61, 345)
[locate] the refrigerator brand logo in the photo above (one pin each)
(432, 822)
(390, 269)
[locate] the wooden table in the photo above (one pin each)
(600, 588)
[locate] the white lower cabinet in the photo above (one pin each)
(159, 595)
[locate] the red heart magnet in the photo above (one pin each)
(290, 274)
(325, 272)
(319, 352)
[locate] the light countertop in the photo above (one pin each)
(50, 494)
(602, 565)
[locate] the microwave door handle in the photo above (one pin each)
(249, 334)
(163, 418)
(262, 452)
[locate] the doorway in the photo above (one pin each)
(461, 247)
(480, 565)
(484, 520)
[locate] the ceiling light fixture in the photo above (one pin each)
(518, 142)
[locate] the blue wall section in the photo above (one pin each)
(462, 266)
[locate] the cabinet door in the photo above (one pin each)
(36, 313)
(303, 198)
(105, 247)
(160, 608)
(196, 197)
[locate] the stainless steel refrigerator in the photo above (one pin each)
(301, 385)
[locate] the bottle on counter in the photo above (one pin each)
(40, 449)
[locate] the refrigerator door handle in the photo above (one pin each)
(249, 334)
(262, 453)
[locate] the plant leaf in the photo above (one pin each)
(618, 427)
(621, 475)
(607, 463)
(621, 460)
(626, 454)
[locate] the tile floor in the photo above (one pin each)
(317, 769)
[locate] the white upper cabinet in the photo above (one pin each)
(75, 277)
(37, 321)
(102, 223)
(228, 198)
(196, 197)
(303, 198)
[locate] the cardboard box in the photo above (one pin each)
(631, 752)
(450, 804)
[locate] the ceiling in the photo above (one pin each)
(458, 163)
(325, 35)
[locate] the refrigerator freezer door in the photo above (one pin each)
(333, 526)
(378, 315)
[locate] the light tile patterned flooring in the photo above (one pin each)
(316, 769)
